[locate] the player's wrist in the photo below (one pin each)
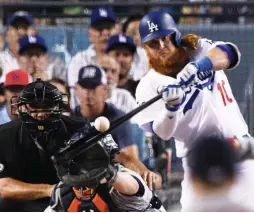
(203, 64)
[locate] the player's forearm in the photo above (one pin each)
(14, 189)
(219, 59)
(125, 184)
(164, 125)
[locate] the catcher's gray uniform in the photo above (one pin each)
(143, 200)
(136, 202)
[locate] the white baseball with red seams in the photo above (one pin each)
(102, 124)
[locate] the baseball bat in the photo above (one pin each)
(70, 153)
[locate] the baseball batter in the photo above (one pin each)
(197, 101)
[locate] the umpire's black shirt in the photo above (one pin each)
(21, 159)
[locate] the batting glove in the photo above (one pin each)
(195, 71)
(174, 96)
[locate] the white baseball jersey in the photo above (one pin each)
(8, 62)
(209, 109)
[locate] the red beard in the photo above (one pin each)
(171, 64)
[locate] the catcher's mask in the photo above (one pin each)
(39, 98)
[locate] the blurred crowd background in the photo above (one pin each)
(62, 32)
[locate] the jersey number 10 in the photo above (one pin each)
(223, 92)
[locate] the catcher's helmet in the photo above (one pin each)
(40, 96)
(157, 24)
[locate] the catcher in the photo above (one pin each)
(94, 182)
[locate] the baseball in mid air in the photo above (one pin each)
(102, 124)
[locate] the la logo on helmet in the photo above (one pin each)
(152, 27)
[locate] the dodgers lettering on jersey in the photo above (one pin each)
(209, 107)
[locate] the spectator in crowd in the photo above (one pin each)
(121, 98)
(15, 82)
(92, 92)
(123, 49)
(64, 89)
(212, 162)
(102, 25)
(117, 29)
(21, 24)
(33, 58)
(140, 61)
(18, 25)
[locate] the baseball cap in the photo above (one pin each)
(120, 40)
(20, 15)
(91, 76)
(16, 78)
(31, 41)
(102, 14)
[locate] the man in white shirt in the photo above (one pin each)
(102, 23)
(18, 26)
(123, 49)
(121, 98)
(140, 62)
(34, 58)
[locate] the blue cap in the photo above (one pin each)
(120, 40)
(91, 76)
(102, 14)
(31, 41)
(20, 15)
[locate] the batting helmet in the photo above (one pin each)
(157, 24)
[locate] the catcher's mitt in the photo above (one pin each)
(93, 166)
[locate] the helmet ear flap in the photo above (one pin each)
(177, 38)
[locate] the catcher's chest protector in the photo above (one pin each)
(99, 202)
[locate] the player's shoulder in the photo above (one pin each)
(205, 43)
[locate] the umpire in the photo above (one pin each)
(27, 175)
